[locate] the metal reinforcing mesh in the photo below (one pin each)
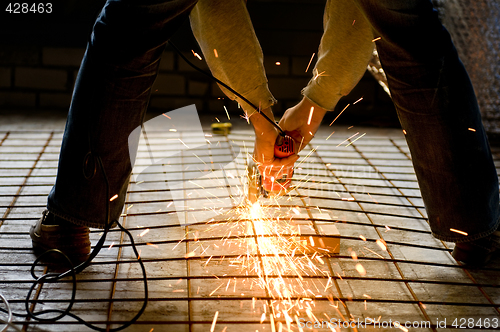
(197, 281)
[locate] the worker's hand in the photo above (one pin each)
(301, 123)
(263, 153)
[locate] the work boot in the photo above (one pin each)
(51, 232)
(477, 252)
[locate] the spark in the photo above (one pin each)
(458, 231)
(113, 198)
(173, 130)
(216, 289)
(362, 237)
(228, 117)
(348, 139)
(399, 326)
(111, 245)
(144, 232)
(339, 114)
(381, 243)
(214, 321)
(373, 252)
(215, 53)
(310, 116)
(353, 22)
(361, 270)
(196, 55)
(357, 101)
(471, 129)
(330, 135)
(278, 63)
(378, 38)
(312, 57)
(166, 116)
(355, 140)
(318, 74)
(404, 131)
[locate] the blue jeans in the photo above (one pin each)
(432, 93)
(109, 101)
(438, 110)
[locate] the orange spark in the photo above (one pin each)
(310, 62)
(339, 114)
(196, 55)
(113, 198)
(378, 38)
(310, 115)
(214, 321)
(361, 270)
(459, 232)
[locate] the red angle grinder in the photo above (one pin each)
(267, 186)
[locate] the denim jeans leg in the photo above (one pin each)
(438, 110)
(109, 101)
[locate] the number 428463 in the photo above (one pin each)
(26, 8)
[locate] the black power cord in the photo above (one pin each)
(72, 271)
(280, 130)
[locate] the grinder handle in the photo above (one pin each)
(284, 146)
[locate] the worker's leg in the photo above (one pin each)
(438, 110)
(109, 101)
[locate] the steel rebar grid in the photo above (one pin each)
(388, 208)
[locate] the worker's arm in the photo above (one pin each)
(227, 39)
(345, 50)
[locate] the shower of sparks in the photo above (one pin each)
(279, 257)
(458, 231)
(309, 64)
(310, 116)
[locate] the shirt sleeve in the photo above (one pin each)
(344, 53)
(227, 39)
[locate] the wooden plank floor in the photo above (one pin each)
(200, 252)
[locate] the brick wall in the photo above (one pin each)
(40, 74)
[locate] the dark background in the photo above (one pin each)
(40, 55)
